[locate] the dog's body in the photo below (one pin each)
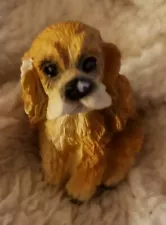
(98, 144)
(79, 149)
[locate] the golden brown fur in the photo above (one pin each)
(89, 149)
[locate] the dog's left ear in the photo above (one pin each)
(118, 87)
(112, 63)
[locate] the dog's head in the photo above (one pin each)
(68, 69)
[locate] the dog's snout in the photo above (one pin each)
(78, 88)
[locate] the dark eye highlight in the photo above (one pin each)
(49, 69)
(89, 64)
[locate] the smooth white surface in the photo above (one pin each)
(99, 99)
(139, 29)
(26, 66)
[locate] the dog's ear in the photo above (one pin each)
(112, 62)
(118, 87)
(34, 97)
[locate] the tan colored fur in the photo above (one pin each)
(85, 150)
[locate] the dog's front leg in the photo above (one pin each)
(83, 183)
(53, 162)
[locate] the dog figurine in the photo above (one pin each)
(89, 131)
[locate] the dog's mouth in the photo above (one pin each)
(79, 109)
(96, 100)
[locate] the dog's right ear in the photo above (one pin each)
(34, 97)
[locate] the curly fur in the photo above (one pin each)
(82, 150)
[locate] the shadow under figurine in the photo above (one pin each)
(83, 108)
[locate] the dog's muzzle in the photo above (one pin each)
(78, 88)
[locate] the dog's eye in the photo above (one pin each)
(50, 69)
(89, 64)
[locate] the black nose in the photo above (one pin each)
(78, 88)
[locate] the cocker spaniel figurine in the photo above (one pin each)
(83, 108)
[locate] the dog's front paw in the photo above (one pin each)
(80, 190)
